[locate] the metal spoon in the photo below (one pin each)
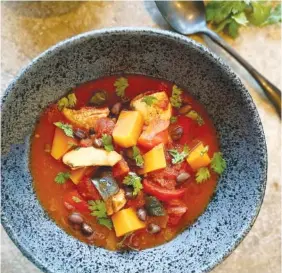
(188, 17)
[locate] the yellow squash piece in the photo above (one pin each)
(61, 143)
(77, 174)
(128, 128)
(197, 158)
(154, 159)
(125, 221)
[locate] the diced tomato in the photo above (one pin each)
(120, 169)
(87, 142)
(148, 144)
(137, 202)
(175, 210)
(165, 178)
(161, 193)
(74, 201)
(104, 126)
(87, 190)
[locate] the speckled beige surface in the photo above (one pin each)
(27, 30)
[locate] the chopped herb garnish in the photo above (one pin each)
(121, 84)
(98, 209)
(72, 100)
(196, 117)
(61, 177)
(67, 128)
(149, 100)
(108, 142)
(132, 179)
(137, 157)
(69, 101)
(179, 157)
(202, 175)
(173, 119)
(205, 150)
(218, 163)
(175, 99)
(76, 199)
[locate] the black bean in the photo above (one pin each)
(185, 109)
(142, 214)
(116, 108)
(86, 230)
(75, 218)
(153, 228)
(98, 143)
(129, 193)
(128, 153)
(176, 132)
(182, 177)
(79, 134)
(91, 131)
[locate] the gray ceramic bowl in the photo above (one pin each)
(160, 54)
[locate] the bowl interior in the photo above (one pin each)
(163, 55)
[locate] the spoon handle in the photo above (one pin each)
(271, 91)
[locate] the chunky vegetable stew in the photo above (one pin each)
(125, 162)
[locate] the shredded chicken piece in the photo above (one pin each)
(90, 156)
(85, 117)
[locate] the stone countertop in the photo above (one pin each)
(29, 29)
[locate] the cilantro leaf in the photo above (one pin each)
(260, 13)
(217, 11)
(61, 177)
(179, 157)
(205, 150)
(69, 101)
(72, 100)
(107, 222)
(137, 156)
(275, 16)
(175, 99)
(240, 18)
(108, 142)
(218, 163)
(196, 117)
(132, 179)
(76, 199)
(67, 128)
(149, 100)
(98, 209)
(173, 119)
(233, 29)
(121, 84)
(63, 102)
(202, 175)
(230, 15)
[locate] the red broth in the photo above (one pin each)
(44, 169)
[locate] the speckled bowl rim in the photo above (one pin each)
(167, 34)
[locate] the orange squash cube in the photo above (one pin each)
(61, 143)
(197, 158)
